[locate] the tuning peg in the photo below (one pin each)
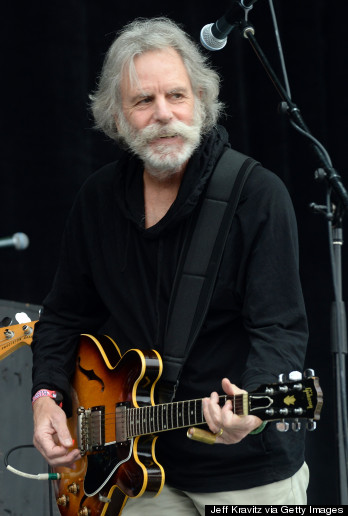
(27, 330)
(282, 426)
(311, 425)
(309, 373)
(295, 376)
(282, 378)
(296, 425)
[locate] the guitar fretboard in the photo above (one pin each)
(170, 416)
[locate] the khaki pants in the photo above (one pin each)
(172, 502)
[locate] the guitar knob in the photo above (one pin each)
(84, 511)
(309, 373)
(282, 426)
(296, 425)
(311, 425)
(63, 500)
(295, 376)
(74, 488)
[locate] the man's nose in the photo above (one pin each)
(162, 112)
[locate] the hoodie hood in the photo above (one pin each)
(129, 184)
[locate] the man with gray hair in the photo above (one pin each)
(158, 98)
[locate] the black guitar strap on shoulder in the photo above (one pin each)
(196, 275)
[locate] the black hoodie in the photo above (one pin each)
(114, 275)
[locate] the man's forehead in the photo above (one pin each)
(142, 70)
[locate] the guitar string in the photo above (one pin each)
(238, 403)
(138, 413)
(179, 405)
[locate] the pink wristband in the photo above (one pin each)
(46, 393)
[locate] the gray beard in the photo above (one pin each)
(163, 161)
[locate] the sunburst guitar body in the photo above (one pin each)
(114, 465)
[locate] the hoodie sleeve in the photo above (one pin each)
(73, 305)
(273, 308)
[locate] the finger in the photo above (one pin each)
(67, 459)
(64, 436)
(212, 414)
(230, 388)
(53, 441)
(56, 454)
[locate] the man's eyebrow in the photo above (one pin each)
(179, 89)
(139, 96)
(143, 94)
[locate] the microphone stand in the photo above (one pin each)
(334, 214)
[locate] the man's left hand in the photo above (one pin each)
(229, 427)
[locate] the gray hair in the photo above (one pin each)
(136, 38)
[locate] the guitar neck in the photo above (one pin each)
(170, 416)
(15, 337)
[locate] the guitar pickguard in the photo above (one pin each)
(102, 466)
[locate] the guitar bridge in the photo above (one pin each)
(91, 429)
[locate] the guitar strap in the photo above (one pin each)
(198, 267)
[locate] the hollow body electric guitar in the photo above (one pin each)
(115, 421)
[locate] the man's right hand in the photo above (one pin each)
(51, 434)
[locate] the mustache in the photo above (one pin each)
(175, 128)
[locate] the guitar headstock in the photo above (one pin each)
(13, 337)
(295, 397)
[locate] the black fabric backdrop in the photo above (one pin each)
(51, 55)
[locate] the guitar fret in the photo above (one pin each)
(162, 416)
(131, 428)
(175, 415)
(136, 419)
(192, 412)
(153, 419)
(143, 410)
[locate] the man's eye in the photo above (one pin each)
(145, 100)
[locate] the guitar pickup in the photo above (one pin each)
(91, 429)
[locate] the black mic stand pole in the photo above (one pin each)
(334, 215)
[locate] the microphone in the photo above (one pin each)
(214, 35)
(19, 240)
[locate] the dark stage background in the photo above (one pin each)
(52, 53)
